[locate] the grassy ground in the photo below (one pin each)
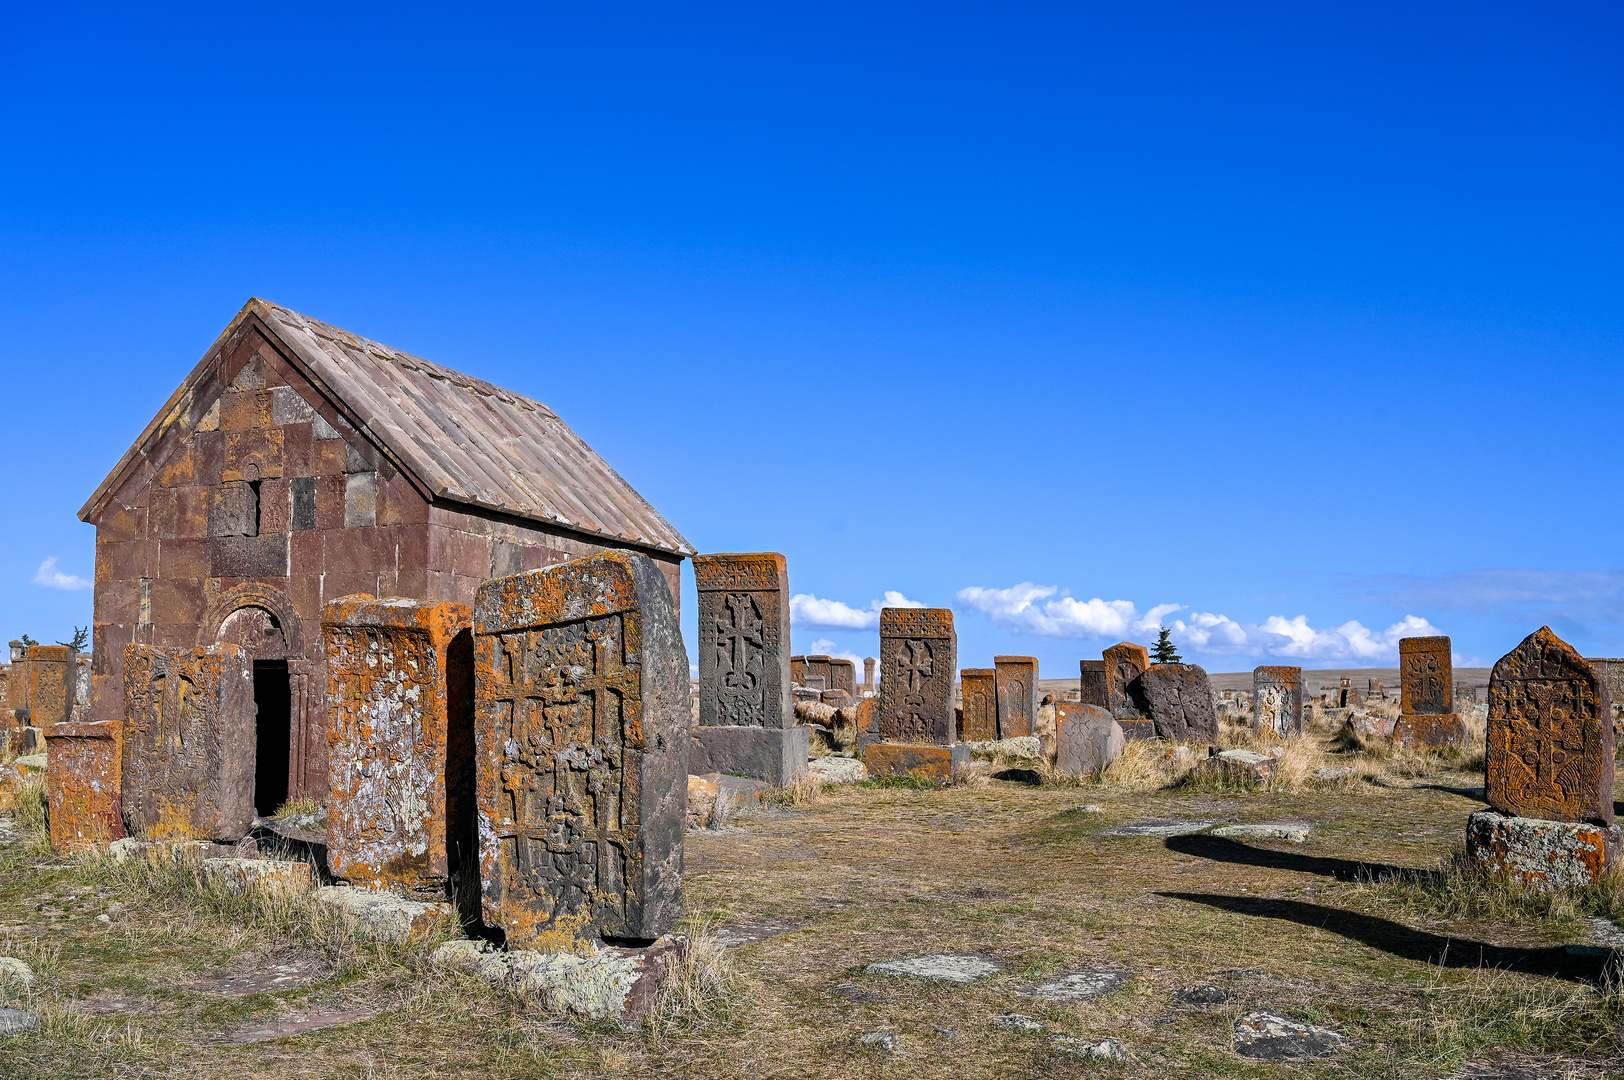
(1362, 929)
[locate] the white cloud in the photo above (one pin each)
(1027, 609)
(807, 610)
(49, 577)
(825, 647)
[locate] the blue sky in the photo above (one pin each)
(1295, 329)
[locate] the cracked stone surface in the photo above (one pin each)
(938, 967)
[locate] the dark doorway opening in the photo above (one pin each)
(273, 701)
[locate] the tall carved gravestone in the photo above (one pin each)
(746, 716)
(82, 783)
(1125, 662)
(1426, 698)
(581, 746)
(1179, 697)
(1277, 699)
(1548, 769)
(1093, 685)
(400, 737)
(979, 688)
(918, 656)
(1017, 694)
(189, 751)
(53, 676)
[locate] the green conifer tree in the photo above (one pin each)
(1163, 652)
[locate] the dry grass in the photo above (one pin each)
(1460, 889)
(299, 806)
(702, 992)
(1147, 765)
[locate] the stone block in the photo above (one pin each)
(52, 673)
(618, 984)
(1179, 700)
(400, 743)
(1124, 663)
(1545, 854)
(189, 742)
(380, 915)
(82, 784)
(1277, 700)
(1242, 767)
(1017, 679)
(979, 717)
(918, 661)
(838, 770)
(581, 730)
(1425, 675)
(776, 755)
(1363, 727)
(267, 875)
(1433, 730)
(744, 667)
(1550, 734)
(1087, 739)
(939, 764)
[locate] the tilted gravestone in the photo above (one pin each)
(1087, 739)
(1124, 663)
(581, 738)
(1426, 698)
(188, 753)
(979, 689)
(1277, 699)
(400, 737)
(1093, 689)
(1179, 698)
(746, 713)
(918, 658)
(1017, 678)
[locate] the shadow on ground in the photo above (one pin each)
(1220, 849)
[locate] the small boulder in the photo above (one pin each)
(15, 971)
(1241, 767)
(838, 770)
(270, 875)
(1016, 1022)
(1078, 986)
(1202, 995)
(880, 1040)
(1108, 1049)
(1271, 1037)
(17, 1022)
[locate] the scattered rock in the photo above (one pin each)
(1240, 767)
(1089, 809)
(16, 1022)
(857, 993)
(32, 763)
(260, 970)
(378, 915)
(838, 770)
(1203, 995)
(1341, 773)
(946, 1033)
(1016, 1022)
(613, 984)
(744, 933)
(1078, 986)
(1362, 728)
(1019, 776)
(938, 967)
(1289, 831)
(299, 1023)
(1272, 1037)
(1159, 827)
(269, 874)
(882, 1039)
(1109, 1049)
(15, 971)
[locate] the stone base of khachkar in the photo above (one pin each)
(1544, 854)
(776, 755)
(938, 764)
(1435, 730)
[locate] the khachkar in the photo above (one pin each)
(1125, 662)
(400, 738)
(1017, 694)
(189, 742)
(746, 716)
(581, 750)
(978, 687)
(1179, 699)
(1092, 685)
(1426, 709)
(1277, 700)
(1548, 770)
(918, 658)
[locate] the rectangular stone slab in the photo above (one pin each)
(938, 764)
(1093, 688)
(1179, 698)
(1124, 663)
(978, 687)
(53, 675)
(1017, 694)
(776, 755)
(82, 784)
(918, 659)
(581, 736)
(1550, 738)
(400, 743)
(189, 742)
(1425, 675)
(1277, 699)
(744, 664)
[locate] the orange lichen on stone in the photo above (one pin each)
(1435, 730)
(980, 693)
(1124, 663)
(400, 742)
(82, 784)
(1545, 854)
(937, 764)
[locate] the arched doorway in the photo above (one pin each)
(261, 633)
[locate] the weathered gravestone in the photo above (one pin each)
(1017, 694)
(581, 739)
(82, 784)
(821, 672)
(1426, 698)
(1548, 770)
(53, 676)
(1087, 738)
(1277, 699)
(746, 714)
(189, 742)
(1179, 698)
(1124, 663)
(400, 737)
(979, 688)
(1092, 688)
(918, 658)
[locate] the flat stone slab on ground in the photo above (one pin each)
(744, 933)
(380, 915)
(1021, 746)
(1016, 1022)
(1293, 832)
(857, 993)
(1203, 995)
(1271, 1037)
(16, 1022)
(615, 984)
(1077, 986)
(938, 967)
(1109, 1049)
(271, 874)
(1159, 827)
(1606, 932)
(882, 1039)
(301, 1023)
(838, 770)
(262, 970)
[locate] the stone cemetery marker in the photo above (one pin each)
(842, 676)
(189, 750)
(1092, 688)
(1277, 699)
(1376, 691)
(797, 670)
(1425, 694)
(1180, 700)
(581, 734)
(52, 684)
(1017, 694)
(918, 658)
(400, 737)
(82, 784)
(744, 663)
(980, 691)
(868, 674)
(1124, 663)
(1550, 736)
(1087, 738)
